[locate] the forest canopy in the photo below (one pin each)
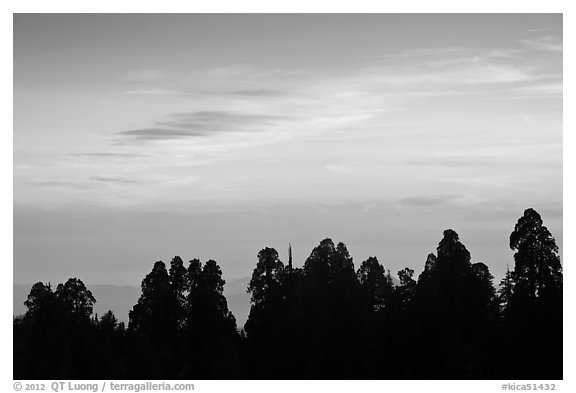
(325, 320)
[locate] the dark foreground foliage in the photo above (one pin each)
(326, 320)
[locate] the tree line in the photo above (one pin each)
(325, 320)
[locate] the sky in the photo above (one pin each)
(141, 137)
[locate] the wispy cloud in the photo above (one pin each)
(361, 123)
(204, 123)
(106, 155)
(59, 184)
(546, 43)
(267, 93)
(410, 54)
(490, 162)
(448, 54)
(147, 92)
(114, 179)
(476, 71)
(143, 77)
(394, 77)
(431, 200)
(540, 29)
(551, 89)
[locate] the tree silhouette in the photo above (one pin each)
(452, 297)
(406, 290)
(180, 287)
(211, 335)
(40, 302)
(208, 301)
(334, 312)
(155, 313)
(37, 334)
(505, 292)
(267, 314)
(317, 266)
(534, 308)
(376, 317)
(76, 300)
(537, 268)
(322, 321)
(267, 293)
(111, 354)
(153, 327)
(401, 328)
(193, 282)
(376, 283)
(109, 322)
(59, 323)
(265, 284)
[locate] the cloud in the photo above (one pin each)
(58, 183)
(147, 77)
(342, 168)
(456, 73)
(490, 162)
(433, 56)
(160, 133)
(546, 43)
(205, 123)
(465, 70)
(540, 29)
(429, 200)
(222, 118)
(114, 179)
(551, 89)
(453, 163)
(260, 93)
(422, 52)
(147, 92)
(439, 200)
(107, 155)
(191, 91)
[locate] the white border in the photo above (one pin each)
(248, 6)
